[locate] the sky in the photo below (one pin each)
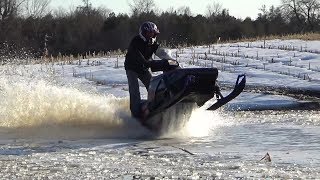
(237, 8)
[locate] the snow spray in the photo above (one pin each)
(33, 104)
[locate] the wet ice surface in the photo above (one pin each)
(231, 150)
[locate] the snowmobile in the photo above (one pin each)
(183, 88)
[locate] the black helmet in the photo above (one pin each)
(148, 27)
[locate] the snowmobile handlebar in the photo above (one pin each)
(164, 65)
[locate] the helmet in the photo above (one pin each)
(148, 27)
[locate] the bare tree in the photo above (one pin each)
(9, 8)
(305, 11)
(310, 8)
(36, 8)
(184, 10)
(214, 9)
(105, 12)
(292, 7)
(171, 10)
(142, 6)
(87, 6)
(59, 12)
(264, 10)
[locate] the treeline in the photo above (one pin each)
(87, 28)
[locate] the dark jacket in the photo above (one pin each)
(139, 55)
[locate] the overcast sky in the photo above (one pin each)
(237, 8)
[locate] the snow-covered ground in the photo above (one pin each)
(72, 121)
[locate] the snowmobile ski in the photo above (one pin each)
(236, 92)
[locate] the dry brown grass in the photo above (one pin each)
(306, 37)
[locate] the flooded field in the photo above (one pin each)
(233, 147)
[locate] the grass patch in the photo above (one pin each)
(306, 37)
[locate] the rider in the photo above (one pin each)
(137, 64)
